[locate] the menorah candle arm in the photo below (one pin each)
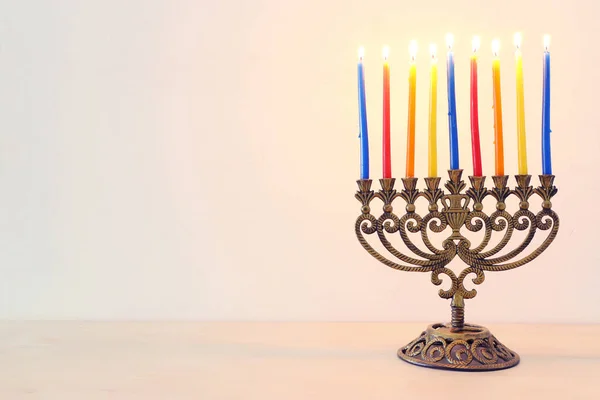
(411, 220)
(505, 223)
(414, 223)
(366, 223)
(529, 221)
(433, 260)
(545, 219)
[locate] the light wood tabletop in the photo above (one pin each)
(241, 360)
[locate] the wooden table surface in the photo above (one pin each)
(284, 361)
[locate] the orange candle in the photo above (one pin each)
(412, 93)
(498, 138)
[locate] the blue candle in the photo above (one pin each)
(363, 133)
(546, 156)
(452, 126)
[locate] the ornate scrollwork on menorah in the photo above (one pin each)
(457, 345)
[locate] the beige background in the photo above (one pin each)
(196, 160)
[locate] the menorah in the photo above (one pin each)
(457, 345)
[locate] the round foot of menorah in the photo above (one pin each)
(473, 348)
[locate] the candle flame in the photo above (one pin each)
(361, 53)
(433, 51)
(495, 47)
(546, 42)
(449, 40)
(386, 52)
(412, 49)
(517, 40)
(476, 43)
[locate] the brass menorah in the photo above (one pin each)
(457, 345)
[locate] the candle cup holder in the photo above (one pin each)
(457, 345)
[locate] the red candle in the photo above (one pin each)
(475, 147)
(387, 154)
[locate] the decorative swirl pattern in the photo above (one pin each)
(415, 348)
(478, 280)
(412, 222)
(434, 350)
(501, 350)
(455, 355)
(389, 222)
(435, 279)
(435, 221)
(368, 223)
(484, 352)
(545, 219)
(437, 348)
(523, 219)
(485, 221)
(480, 220)
(499, 220)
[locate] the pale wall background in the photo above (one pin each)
(196, 160)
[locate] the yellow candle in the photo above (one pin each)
(412, 92)
(432, 165)
(498, 139)
(521, 140)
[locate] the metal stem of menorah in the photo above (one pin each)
(457, 345)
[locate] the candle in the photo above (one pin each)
(521, 140)
(387, 157)
(432, 161)
(412, 86)
(498, 140)
(546, 156)
(363, 132)
(475, 146)
(453, 129)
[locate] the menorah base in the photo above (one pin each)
(473, 348)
